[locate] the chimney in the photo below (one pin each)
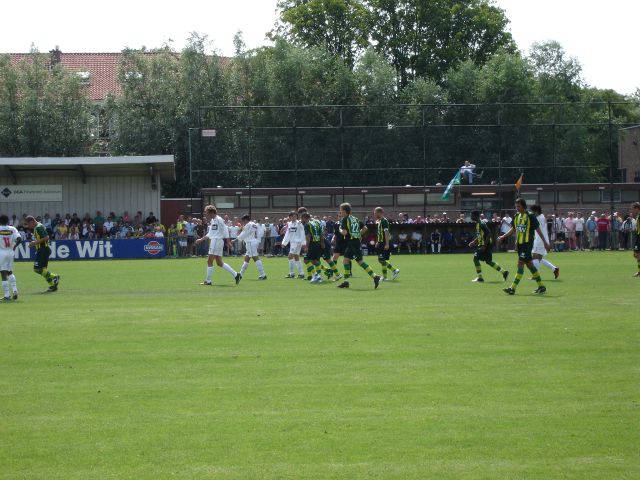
(56, 56)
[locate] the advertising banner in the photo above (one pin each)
(98, 249)
(30, 193)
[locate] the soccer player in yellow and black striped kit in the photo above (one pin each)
(41, 244)
(382, 244)
(484, 248)
(350, 228)
(525, 225)
(635, 210)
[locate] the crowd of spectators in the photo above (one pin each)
(98, 226)
(567, 232)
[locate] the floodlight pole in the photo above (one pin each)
(191, 171)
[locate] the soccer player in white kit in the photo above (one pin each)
(9, 239)
(217, 234)
(296, 237)
(251, 236)
(538, 251)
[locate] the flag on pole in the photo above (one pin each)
(454, 181)
(519, 182)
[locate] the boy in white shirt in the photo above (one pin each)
(296, 238)
(9, 239)
(251, 236)
(218, 235)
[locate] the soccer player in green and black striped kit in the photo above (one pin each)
(315, 246)
(350, 228)
(41, 244)
(484, 248)
(382, 244)
(525, 225)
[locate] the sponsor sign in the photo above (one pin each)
(30, 193)
(98, 249)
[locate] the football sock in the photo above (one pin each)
(14, 283)
(291, 265)
(5, 287)
(318, 268)
(48, 276)
(367, 269)
(536, 276)
(476, 262)
(260, 267)
(245, 265)
(518, 277)
(347, 270)
(300, 269)
(209, 273)
(332, 266)
(495, 266)
(389, 266)
(230, 270)
(547, 264)
(310, 268)
(384, 269)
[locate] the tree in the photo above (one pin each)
(44, 109)
(341, 27)
(559, 77)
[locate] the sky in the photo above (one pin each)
(599, 34)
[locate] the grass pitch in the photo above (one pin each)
(133, 370)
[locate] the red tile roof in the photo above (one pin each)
(102, 67)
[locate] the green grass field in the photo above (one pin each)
(134, 371)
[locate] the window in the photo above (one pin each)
(568, 196)
(591, 196)
(373, 200)
(547, 197)
(354, 200)
(411, 199)
(256, 201)
(225, 202)
(436, 199)
(85, 77)
(606, 196)
(316, 200)
(288, 201)
(630, 195)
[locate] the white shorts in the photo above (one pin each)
(252, 248)
(6, 261)
(216, 246)
(294, 248)
(538, 247)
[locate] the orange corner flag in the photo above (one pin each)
(519, 182)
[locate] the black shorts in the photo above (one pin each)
(340, 247)
(383, 255)
(524, 252)
(353, 250)
(314, 252)
(636, 247)
(42, 258)
(326, 252)
(484, 255)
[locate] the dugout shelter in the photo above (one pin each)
(83, 184)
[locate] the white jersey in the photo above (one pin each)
(250, 233)
(8, 238)
(295, 234)
(217, 229)
(538, 244)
